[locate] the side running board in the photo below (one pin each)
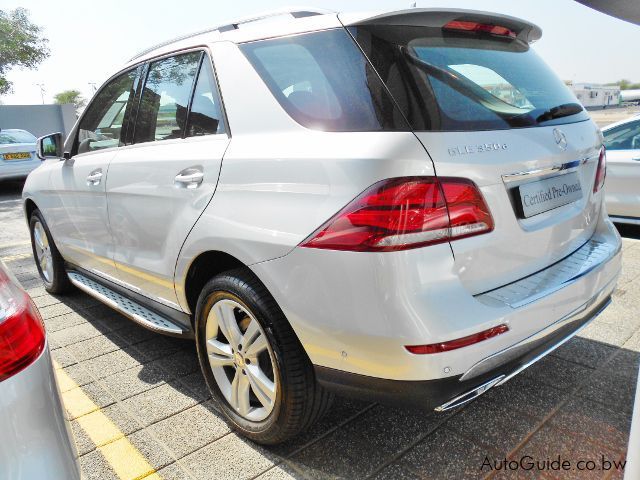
(126, 306)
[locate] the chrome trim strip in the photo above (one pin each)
(583, 261)
(514, 351)
(470, 395)
(625, 220)
(541, 172)
(127, 307)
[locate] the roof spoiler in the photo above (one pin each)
(434, 17)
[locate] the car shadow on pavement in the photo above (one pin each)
(575, 403)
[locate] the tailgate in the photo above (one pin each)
(507, 165)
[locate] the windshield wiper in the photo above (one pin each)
(560, 111)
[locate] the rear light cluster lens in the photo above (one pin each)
(601, 172)
(404, 213)
(480, 28)
(458, 343)
(22, 335)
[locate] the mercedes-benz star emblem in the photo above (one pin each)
(561, 138)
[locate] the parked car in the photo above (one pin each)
(36, 437)
(622, 194)
(17, 154)
(404, 207)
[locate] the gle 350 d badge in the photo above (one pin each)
(470, 149)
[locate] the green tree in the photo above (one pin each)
(21, 44)
(70, 96)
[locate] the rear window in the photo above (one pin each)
(16, 136)
(323, 81)
(463, 81)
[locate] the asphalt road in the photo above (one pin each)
(140, 408)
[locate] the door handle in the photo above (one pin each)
(637, 159)
(189, 178)
(94, 177)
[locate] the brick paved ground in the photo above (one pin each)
(576, 403)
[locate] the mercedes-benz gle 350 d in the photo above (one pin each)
(407, 207)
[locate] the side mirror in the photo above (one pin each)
(49, 146)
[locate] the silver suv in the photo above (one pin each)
(405, 207)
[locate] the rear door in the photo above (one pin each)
(622, 188)
(159, 185)
(486, 108)
(77, 205)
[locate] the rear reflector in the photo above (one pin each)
(480, 28)
(22, 336)
(601, 172)
(458, 343)
(404, 213)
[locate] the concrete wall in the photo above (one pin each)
(38, 119)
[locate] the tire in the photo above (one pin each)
(283, 396)
(48, 260)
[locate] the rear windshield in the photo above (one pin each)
(16, 136)
(462, 81)
(323, 82)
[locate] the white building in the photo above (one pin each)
(592, 95)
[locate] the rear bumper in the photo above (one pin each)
(355, 312)
(446, 393)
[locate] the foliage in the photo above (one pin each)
(70, 96)
(626, 85)
(21, 44)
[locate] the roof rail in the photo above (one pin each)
(297, 12)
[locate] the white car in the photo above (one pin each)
(17, 154)
(406, 207)
(36, 435)
(622, 193)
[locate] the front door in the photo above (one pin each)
(78, 214)
(159, 185)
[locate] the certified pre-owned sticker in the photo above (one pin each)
(470, 149)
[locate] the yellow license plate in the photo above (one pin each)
(16, 156)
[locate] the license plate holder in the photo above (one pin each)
(549, 193)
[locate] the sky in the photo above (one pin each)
(90, 40)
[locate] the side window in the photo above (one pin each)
(205, 117)
(623, 137)
(324, 82)
(162, 113)
(101, 125)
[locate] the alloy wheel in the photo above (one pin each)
(241, 360)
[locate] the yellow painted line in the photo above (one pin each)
(18, 244)
(125, 460)
(18, 256)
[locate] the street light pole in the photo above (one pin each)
(41, 85)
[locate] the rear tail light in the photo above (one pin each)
(22, 336)
(458, 343)
(480, 28)
(601, 172)
(404, 213)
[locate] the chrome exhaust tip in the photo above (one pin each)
(470, 395)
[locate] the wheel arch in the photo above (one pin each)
(202, 269)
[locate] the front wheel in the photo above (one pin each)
(253, 362)
(49, 262)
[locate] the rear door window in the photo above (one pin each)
(323, 81)
(162, 113)
(465, 81)
(205, 116)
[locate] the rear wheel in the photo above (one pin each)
(49, 262)
(252, 361)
